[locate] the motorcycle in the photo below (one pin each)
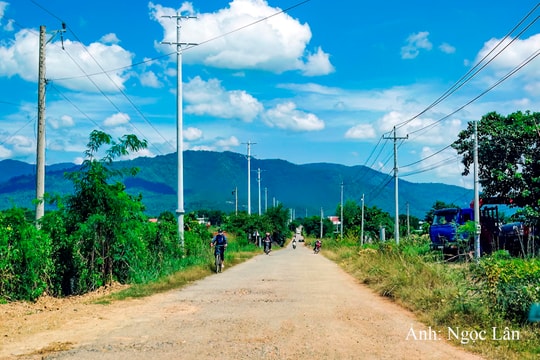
(294, 244)
(266, 247)
(317, 248)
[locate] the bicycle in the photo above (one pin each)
(219, 260)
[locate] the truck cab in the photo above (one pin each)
(443, 232)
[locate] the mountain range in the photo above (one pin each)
(211, 179)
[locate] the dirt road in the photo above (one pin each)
(290, 304)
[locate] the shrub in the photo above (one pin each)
(511, 284)
(24, 257)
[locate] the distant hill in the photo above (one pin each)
(211, 177)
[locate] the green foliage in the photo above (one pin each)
(438, 205)
(450, 295)
(312, 227)
(508, 157)
(511, 285)
(274, 221)
(24, 257)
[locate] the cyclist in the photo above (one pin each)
(220, 241)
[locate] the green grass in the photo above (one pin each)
(441, 294)
(194, 269)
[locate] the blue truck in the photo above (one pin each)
(443, 231)
(445, 235)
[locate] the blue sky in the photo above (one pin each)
(320, 82)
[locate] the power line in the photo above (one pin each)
(191, 45)
(466, 78)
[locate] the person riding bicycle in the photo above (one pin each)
(268, 241)
(220, 241)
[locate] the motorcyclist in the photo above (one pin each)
(294, 242)
(220, 241)
(317, 246)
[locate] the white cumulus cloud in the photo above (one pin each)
(192, 134)
(361, 131)
(287, 116)
(257, 37)
(19, 59)
(116, 119)
(414, 43)
(211, 98)
(64, 121)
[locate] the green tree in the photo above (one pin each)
(437, 206)
(509, 157)
(375, 218)
(103, 220)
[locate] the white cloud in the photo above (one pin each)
(110, 38)
(277, 44)
(192, 134)
(5, 153)
(318, 64)
(287, 116)
(8, 26)
(444, 165)
(64, 121)
(210, 98)
(116, 119)
(447, 48)
(414, 43)
(227, 143)
(513, 56)
(150, 79)
(21, 145)
(361, 131)
(19, 59)
(3, 6)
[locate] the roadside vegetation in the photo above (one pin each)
(457, 299)
(100, 235)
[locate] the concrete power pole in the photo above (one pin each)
(362, 227)
(249, 143)
(341, 231)
(265, 199)
(40, 148)
(476, 196)
(259, 185)
(40, 154)
(179, 124)
(396, 191)
(320, 237)
(235, 191)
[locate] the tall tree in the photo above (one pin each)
(509, 157)
(101, 216)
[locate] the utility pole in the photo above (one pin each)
(341, 231)
(408, 222)
(476, 196)
(265, 199)
(179, 119)
(235, 191)
(320, 237)
(396, 191)
(362, 227)
(40, 154)
(40, 145)
(259, 184)
(249, 143)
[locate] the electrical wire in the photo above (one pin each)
(471, 73)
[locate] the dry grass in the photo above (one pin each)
(440, 294)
